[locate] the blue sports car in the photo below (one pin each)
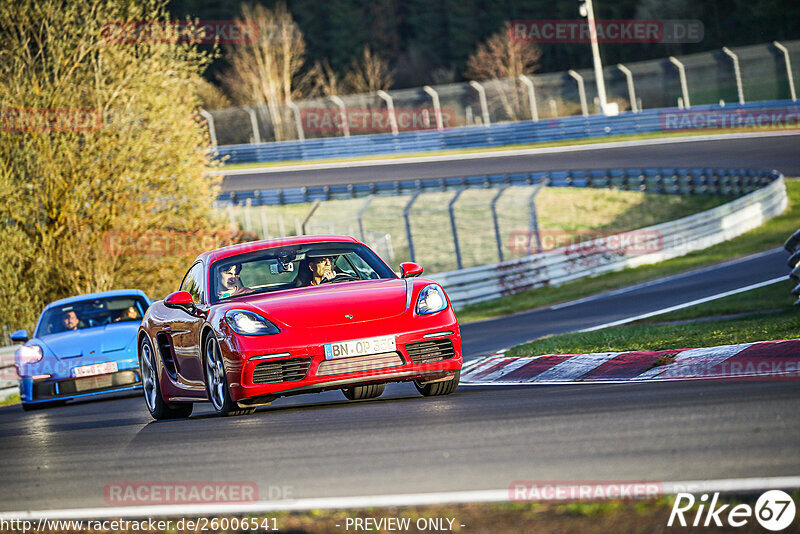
(84, 345)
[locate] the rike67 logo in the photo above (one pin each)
(774, 510)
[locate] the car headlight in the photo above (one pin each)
(248, 323)
(28, 354)
(431, 300)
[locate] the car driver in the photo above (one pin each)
(321, 269)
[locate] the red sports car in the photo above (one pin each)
(257, 321)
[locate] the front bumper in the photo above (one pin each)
(34, 391)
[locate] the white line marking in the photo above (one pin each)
(495, 154)
(510, 367)
(570, 369)
(368, 501)
(686, 304)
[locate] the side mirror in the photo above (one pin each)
(180, 300)
(20, 336)
(408, 270)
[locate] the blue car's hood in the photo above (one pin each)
(92, 342)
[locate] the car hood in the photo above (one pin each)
(328, 305)
(93, 341)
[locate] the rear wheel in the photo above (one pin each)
(364, 392)
(217, 382)
(436, 389)
(156, 405)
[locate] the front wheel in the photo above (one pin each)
(159, 409)
(436, 389)
(364, 392)
(217, 382)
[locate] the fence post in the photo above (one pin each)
(684, 85)
(533, 225)
(497, 223)
(531, 97)
(360, 216)
(788, 61)
(581, 91)
(211, 131)
(297, 120)
(308, 216)
(451, 210)
(482, 97)
(631, 90)
(437, 109)
(253, 123)
(406, 211)
(736, 72)
(390, 107)
(248, 225)
(345, 124)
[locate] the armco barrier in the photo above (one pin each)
(664, 241)
(8, 380)
(792, 246)
(502, 134)
(654, 180)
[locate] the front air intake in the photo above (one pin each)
(288, 370)
(431, 351)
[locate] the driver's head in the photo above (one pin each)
(229, 276)
(70, 320)
(320, 265)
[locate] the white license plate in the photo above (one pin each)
(359, 347)
(96, 369)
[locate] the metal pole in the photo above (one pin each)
(437, 109)
(406, 211)
(497, 223)
(736, 72)
(264, 227)
(631, 90)
(390, 107)
(451, 210)
(482, 97)
(339, 102)
(308, 216)
(581, 91)
(785, 51)
(211, 131)
(254, 123)
(684, 86)
(598, 65)
(531, 97)
(533, 225)
(360, 216)
(297, 120)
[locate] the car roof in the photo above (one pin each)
(101, 294)
(242, 248)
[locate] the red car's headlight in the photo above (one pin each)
(431, 299)
(248, 323)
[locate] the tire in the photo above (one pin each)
(364, 392)
(159, 409)
(437, 389)
(217, 382)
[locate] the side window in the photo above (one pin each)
(193, 283)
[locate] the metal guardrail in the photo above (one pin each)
(687, 181)
(653, 244)
(502, 134)
(8, 373)
(792, 246)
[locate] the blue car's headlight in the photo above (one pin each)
(431, 300)
(28, 354)
(248, 323)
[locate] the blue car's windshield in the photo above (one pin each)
(90, 313)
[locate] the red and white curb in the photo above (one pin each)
(777, 359)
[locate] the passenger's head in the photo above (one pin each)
(229, 276)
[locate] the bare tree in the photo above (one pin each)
(267, 71)
(321, 81)
(368, 74)
(502, 56)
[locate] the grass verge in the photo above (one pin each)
(13, 399)
(771, 234)
(761, 314)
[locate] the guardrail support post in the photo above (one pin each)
(736, 72)
(253, 123)
(631, 90)
(684, 85)
(211, 131)
(406, 212)
(360, 216)
(390, 108)
(437, 108)
(581, 91)
(531, 97)
(451, 210)
(788, 62)
(297, 120)
(308, 216)
(482, 97)
(497, 223)
(343, 110)
(533, 225)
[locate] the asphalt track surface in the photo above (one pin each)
(780, 152)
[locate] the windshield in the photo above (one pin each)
(91, 313)
(297, 266)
